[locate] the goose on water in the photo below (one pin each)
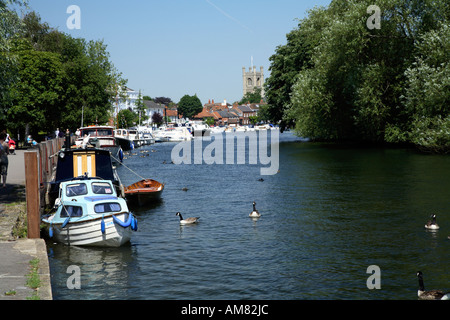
(431, 224)
(255, 213)
(187, 220)
(430, 294)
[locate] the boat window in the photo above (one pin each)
(101, 188)
(104, 132)
(91, 132)
(72, 211)
(107, 207)
(78, 189)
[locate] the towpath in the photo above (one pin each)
(15, 255)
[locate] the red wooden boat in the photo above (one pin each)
(144, 191)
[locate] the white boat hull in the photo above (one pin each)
(89, 233)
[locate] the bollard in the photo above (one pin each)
(32, 194)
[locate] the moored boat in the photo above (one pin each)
(89, 213)
(76, 162)
(144, 191)
(101, 137)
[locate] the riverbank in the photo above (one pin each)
(18, 252)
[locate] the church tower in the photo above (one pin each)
(253, 79)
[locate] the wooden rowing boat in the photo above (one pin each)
(144, 191)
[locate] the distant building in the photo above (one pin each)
(252, 80)
(152, 107)
(131, 96)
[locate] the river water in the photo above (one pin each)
(328, 214)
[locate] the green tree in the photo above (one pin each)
(10, 27)
(209, 121)
(336, 79)
(126, 118)
(35, 99)
(141, 108)
(189, 106)
(90, 81)
(252, 97)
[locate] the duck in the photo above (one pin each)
(188, 220)
(431, 224)
(431, 294)
(255, 213)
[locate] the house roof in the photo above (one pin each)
(227, 114)
(153, 104)
(205, 113)
(245, 108)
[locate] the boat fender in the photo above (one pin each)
(134, 224)
(102, 225)
(50, 231)
(65, 223)
(123, 224)
(121, 155)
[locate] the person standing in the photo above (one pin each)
(4, 149)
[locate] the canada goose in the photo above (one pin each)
(431, 224)
(255, 213)
(184, 189)
(188, 220)
(431, 294)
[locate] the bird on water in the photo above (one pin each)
(431, 224)
(430, 294)
(255, 213)
(187, 220)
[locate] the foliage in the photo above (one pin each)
(10, 26)
(61, 78)
(141, 108)
(189, 106)
(253, 119)
(163, 100)
(157, 118)
(209, 121)
(126, 118)
(336, 79)
(252, 97)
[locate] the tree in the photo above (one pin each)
(189, 106)
(252, 97)
(9, 30)
(163, 100)
(35, 99)
(336, 79)
(87, 80)
(126, 118)
(157, 118)
(141, 108)
(209, 121)
(253, 119)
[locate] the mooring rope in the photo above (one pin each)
(118, 161)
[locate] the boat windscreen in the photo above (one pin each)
(107, 207)
(77, 189)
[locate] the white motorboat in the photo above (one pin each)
(101, 137)
(89, 213)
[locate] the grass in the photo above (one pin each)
(20, 229)
(33, 280)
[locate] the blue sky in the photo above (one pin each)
(175, 47)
